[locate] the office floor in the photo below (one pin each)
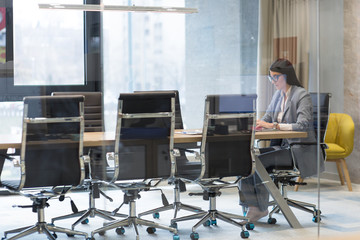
(340, 218)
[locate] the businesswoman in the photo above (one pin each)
(289, 109)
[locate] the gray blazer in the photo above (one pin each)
(298, 111)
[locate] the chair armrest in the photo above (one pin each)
(110, 157)
(6, 156)
(15, 160)
(323, 145)
(86, 159)
(196, 153)
(188, 150)
(302, 143)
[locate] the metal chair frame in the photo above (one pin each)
(212, 186)
(176, 205)
(92, 185)
(131, 190)
(40, 199)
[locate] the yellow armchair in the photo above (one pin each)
(340, 140)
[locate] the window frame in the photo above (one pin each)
(92, 61)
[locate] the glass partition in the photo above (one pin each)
(225, 48)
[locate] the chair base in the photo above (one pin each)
(41, 226)
(44, 228)
(91, 211)
(176, 205)
(304, 206)
(210, 218)
(133, 220)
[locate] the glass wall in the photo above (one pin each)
(227, 47)
(222, 49)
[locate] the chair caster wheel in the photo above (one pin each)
(194, 236)
(156, 215)
(176, 237)
(316, 219)
(271, 221)
(244, 234)
(316, 216)
(85, 221)
(250, 226)
(151, 230)
(174, 225)
(54, 235)
(102, 233)
(213, 222)
(120, 230)
(70, 235)
(206, 223)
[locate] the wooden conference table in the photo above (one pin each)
(92, 139)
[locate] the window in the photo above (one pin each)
(49, 45)
(11, 117)
(47, 51)
(213, 51)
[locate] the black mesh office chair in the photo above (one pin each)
(95, 174)
(93, 109)
(144, 152)
(183, 167)
(51, 160)
(284, 177)
(226, 151)
(94, 122)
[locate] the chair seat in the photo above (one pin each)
(335, 151)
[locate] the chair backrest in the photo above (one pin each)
(184, 167)
(324, 108)
(228, 137)
(94, 121)
(340, 131)
(52, 141)
(178, 118)
(144, 138)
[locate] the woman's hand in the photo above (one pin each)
(263, 124)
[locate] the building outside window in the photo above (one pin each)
(213, 51)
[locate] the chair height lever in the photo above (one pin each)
(106, 196)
